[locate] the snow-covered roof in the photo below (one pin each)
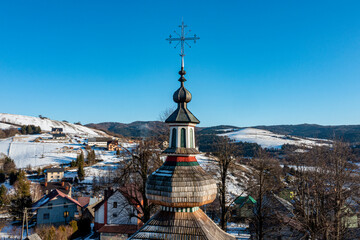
(53, 194)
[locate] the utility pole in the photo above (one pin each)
(22, 226)
(25, 218)
(27, 224)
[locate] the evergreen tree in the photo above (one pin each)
(91, 157)
(22, 198)
(29, 129)
(117, 152)
(13, 177)
(2, 177)
(4, 200)
(9, 165)
(81, 172)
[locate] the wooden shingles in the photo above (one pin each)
(187, 226)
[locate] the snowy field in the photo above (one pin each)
(268, 139)
(12, 120)
(26, 152)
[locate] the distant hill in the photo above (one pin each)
(15, 121)
(348, 133)
(136, 129)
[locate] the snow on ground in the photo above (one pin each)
(268, 139)
(6, 126)
(235, 188)
(239, 230)
(46, 124)
(26, 152)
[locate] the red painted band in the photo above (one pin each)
(181, 159)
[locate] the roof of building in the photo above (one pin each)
(56, 185)
(54, 170)
(53, 194)
(181, 225)
(123, 228)
(182, 96)
(84, 201)
(129, 192)
(99, 139)
(33, 236)
(245, 199)
(59, 135)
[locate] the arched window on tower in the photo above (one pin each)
(173, 138)
(183, 138)
(191, 138)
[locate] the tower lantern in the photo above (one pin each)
(180, 186)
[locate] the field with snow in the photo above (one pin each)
(12, 120)
(26, 152)
(268, 139)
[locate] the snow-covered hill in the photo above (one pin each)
(268, 139)
(12, 120)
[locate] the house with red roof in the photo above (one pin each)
(56, 208)
(118, 214)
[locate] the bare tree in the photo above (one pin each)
(145, 159)
(325, 188)
(266, 180)
(225, 151)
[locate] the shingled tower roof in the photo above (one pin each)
(182, 96)
(181, 185)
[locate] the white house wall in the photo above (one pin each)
(123, 211)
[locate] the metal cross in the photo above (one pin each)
(182, 39)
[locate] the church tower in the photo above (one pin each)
(180, 186)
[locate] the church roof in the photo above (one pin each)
(182, 115)
(181, 225)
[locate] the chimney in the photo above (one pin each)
(108, 192)
(45, 184)
(67, 188)
(62, 183)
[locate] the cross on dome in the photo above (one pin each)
(181, 39)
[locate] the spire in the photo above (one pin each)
(182, 96)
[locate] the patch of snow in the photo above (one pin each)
(267, 139)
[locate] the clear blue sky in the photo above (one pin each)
(257, 62)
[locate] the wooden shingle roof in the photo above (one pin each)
(181, 225)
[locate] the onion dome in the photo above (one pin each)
(182, 96)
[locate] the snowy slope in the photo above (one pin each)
(269, 139)
(7, 120)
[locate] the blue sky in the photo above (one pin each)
(257, 62)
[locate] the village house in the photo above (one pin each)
(98, 142)
(64, 187)
(54, 174)
(56, 208)
(244, 209)
(59, 136)
(117, 215)
(113, 145)
(56, 130)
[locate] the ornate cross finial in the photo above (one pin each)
(182, 39)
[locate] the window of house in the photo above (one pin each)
(114, 204)
(50, 206)
(173, 138)
(183, 138)
(115, 215)
(191, 138)
(46, 216)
